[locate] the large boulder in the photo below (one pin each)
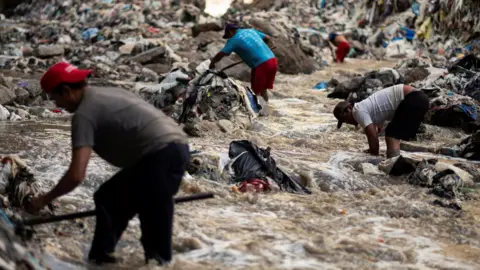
(206, 27)
(240, 72)
(291, 59)
(151, 56)
(416, 74)
(7, 94)
(261, 4)
(46, 51)
(264, 26)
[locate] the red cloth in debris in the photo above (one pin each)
(258, 184)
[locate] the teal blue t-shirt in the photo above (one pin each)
(249, 45)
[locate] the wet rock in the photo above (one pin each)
(127, 49)
(258, 4)
(387, 77)
(243, 121)
(372, 84)
(264, 27)
(46, 51)
(187, 244)
(206, 27)
(226, 125)
(370, 169)
(346, 87)
(14, 117)
(22, 113)
(150, 56)
(150, 74)
(291, 59)
(159, 68)
(190, 13)
(22, 95)
(41, 112)
(112, 55)
(416, 74)
(6, 95)
(240, 72)
(378, 53)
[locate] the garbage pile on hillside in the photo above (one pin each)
(140, 45)
(109, 36)
(137, 46)
(247, 166)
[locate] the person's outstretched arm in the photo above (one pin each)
(217, 59)
(72, 178)
(372, 137)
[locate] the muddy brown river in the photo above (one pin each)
(351, 221)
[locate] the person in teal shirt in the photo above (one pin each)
(251, 46)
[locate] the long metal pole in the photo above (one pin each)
(43, 220)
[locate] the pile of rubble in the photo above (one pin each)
(17, 184)
(142, 45)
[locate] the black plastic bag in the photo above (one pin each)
(254, 162)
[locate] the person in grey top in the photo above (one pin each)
(401, 108)
(149, 147)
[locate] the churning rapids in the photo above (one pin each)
(351, 221)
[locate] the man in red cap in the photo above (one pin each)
(131, 134)
(251, 46)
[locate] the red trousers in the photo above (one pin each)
(343, 48)
(263, 76)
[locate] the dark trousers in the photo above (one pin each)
(408, 116)
(146, 189)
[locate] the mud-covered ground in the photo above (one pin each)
(351, 221)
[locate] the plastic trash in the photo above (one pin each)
(321, 86)
(90, 33)
(416, 8)
(253, 103)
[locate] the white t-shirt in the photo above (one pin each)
(379, 107)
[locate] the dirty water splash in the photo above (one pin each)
(351, 221)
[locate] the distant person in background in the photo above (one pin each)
(251, 46)
(343, 47)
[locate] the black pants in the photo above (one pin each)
(146, 189)
(408, 116)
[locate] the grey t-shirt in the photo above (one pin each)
(379, 107)
(121, 127)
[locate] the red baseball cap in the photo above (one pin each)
(62, 72)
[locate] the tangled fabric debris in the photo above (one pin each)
(250, 162)
(246, 164)
(16, 182)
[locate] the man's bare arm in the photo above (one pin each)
(268, 40)
(75, 174)
(372, 136)
(217, 59)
